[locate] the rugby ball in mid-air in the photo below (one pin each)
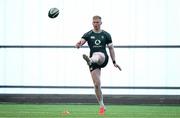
(53, 13)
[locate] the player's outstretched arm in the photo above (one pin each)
(80, 43)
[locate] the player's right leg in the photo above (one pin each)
(87, 59)
(97, 57)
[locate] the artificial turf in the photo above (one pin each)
(87, 111)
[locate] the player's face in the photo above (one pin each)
(96, 24)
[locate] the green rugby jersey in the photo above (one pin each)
(97, 41)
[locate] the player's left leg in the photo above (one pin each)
(95, 74)
(95, 63)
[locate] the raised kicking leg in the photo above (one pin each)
(97, 57)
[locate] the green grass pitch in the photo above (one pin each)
(87, 111)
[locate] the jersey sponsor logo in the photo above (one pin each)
(97, 42)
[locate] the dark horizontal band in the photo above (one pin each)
(70, 46)
(89, 87)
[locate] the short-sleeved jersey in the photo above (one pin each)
(97, 41)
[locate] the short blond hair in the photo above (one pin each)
(96, 17)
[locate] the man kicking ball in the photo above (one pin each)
(97, 40)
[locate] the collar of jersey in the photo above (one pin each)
(97, 32)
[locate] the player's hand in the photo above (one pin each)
(78, 45)
(117, 66)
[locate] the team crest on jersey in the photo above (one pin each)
(92, 37)
(102, 37)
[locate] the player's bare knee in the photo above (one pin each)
(97, 86)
